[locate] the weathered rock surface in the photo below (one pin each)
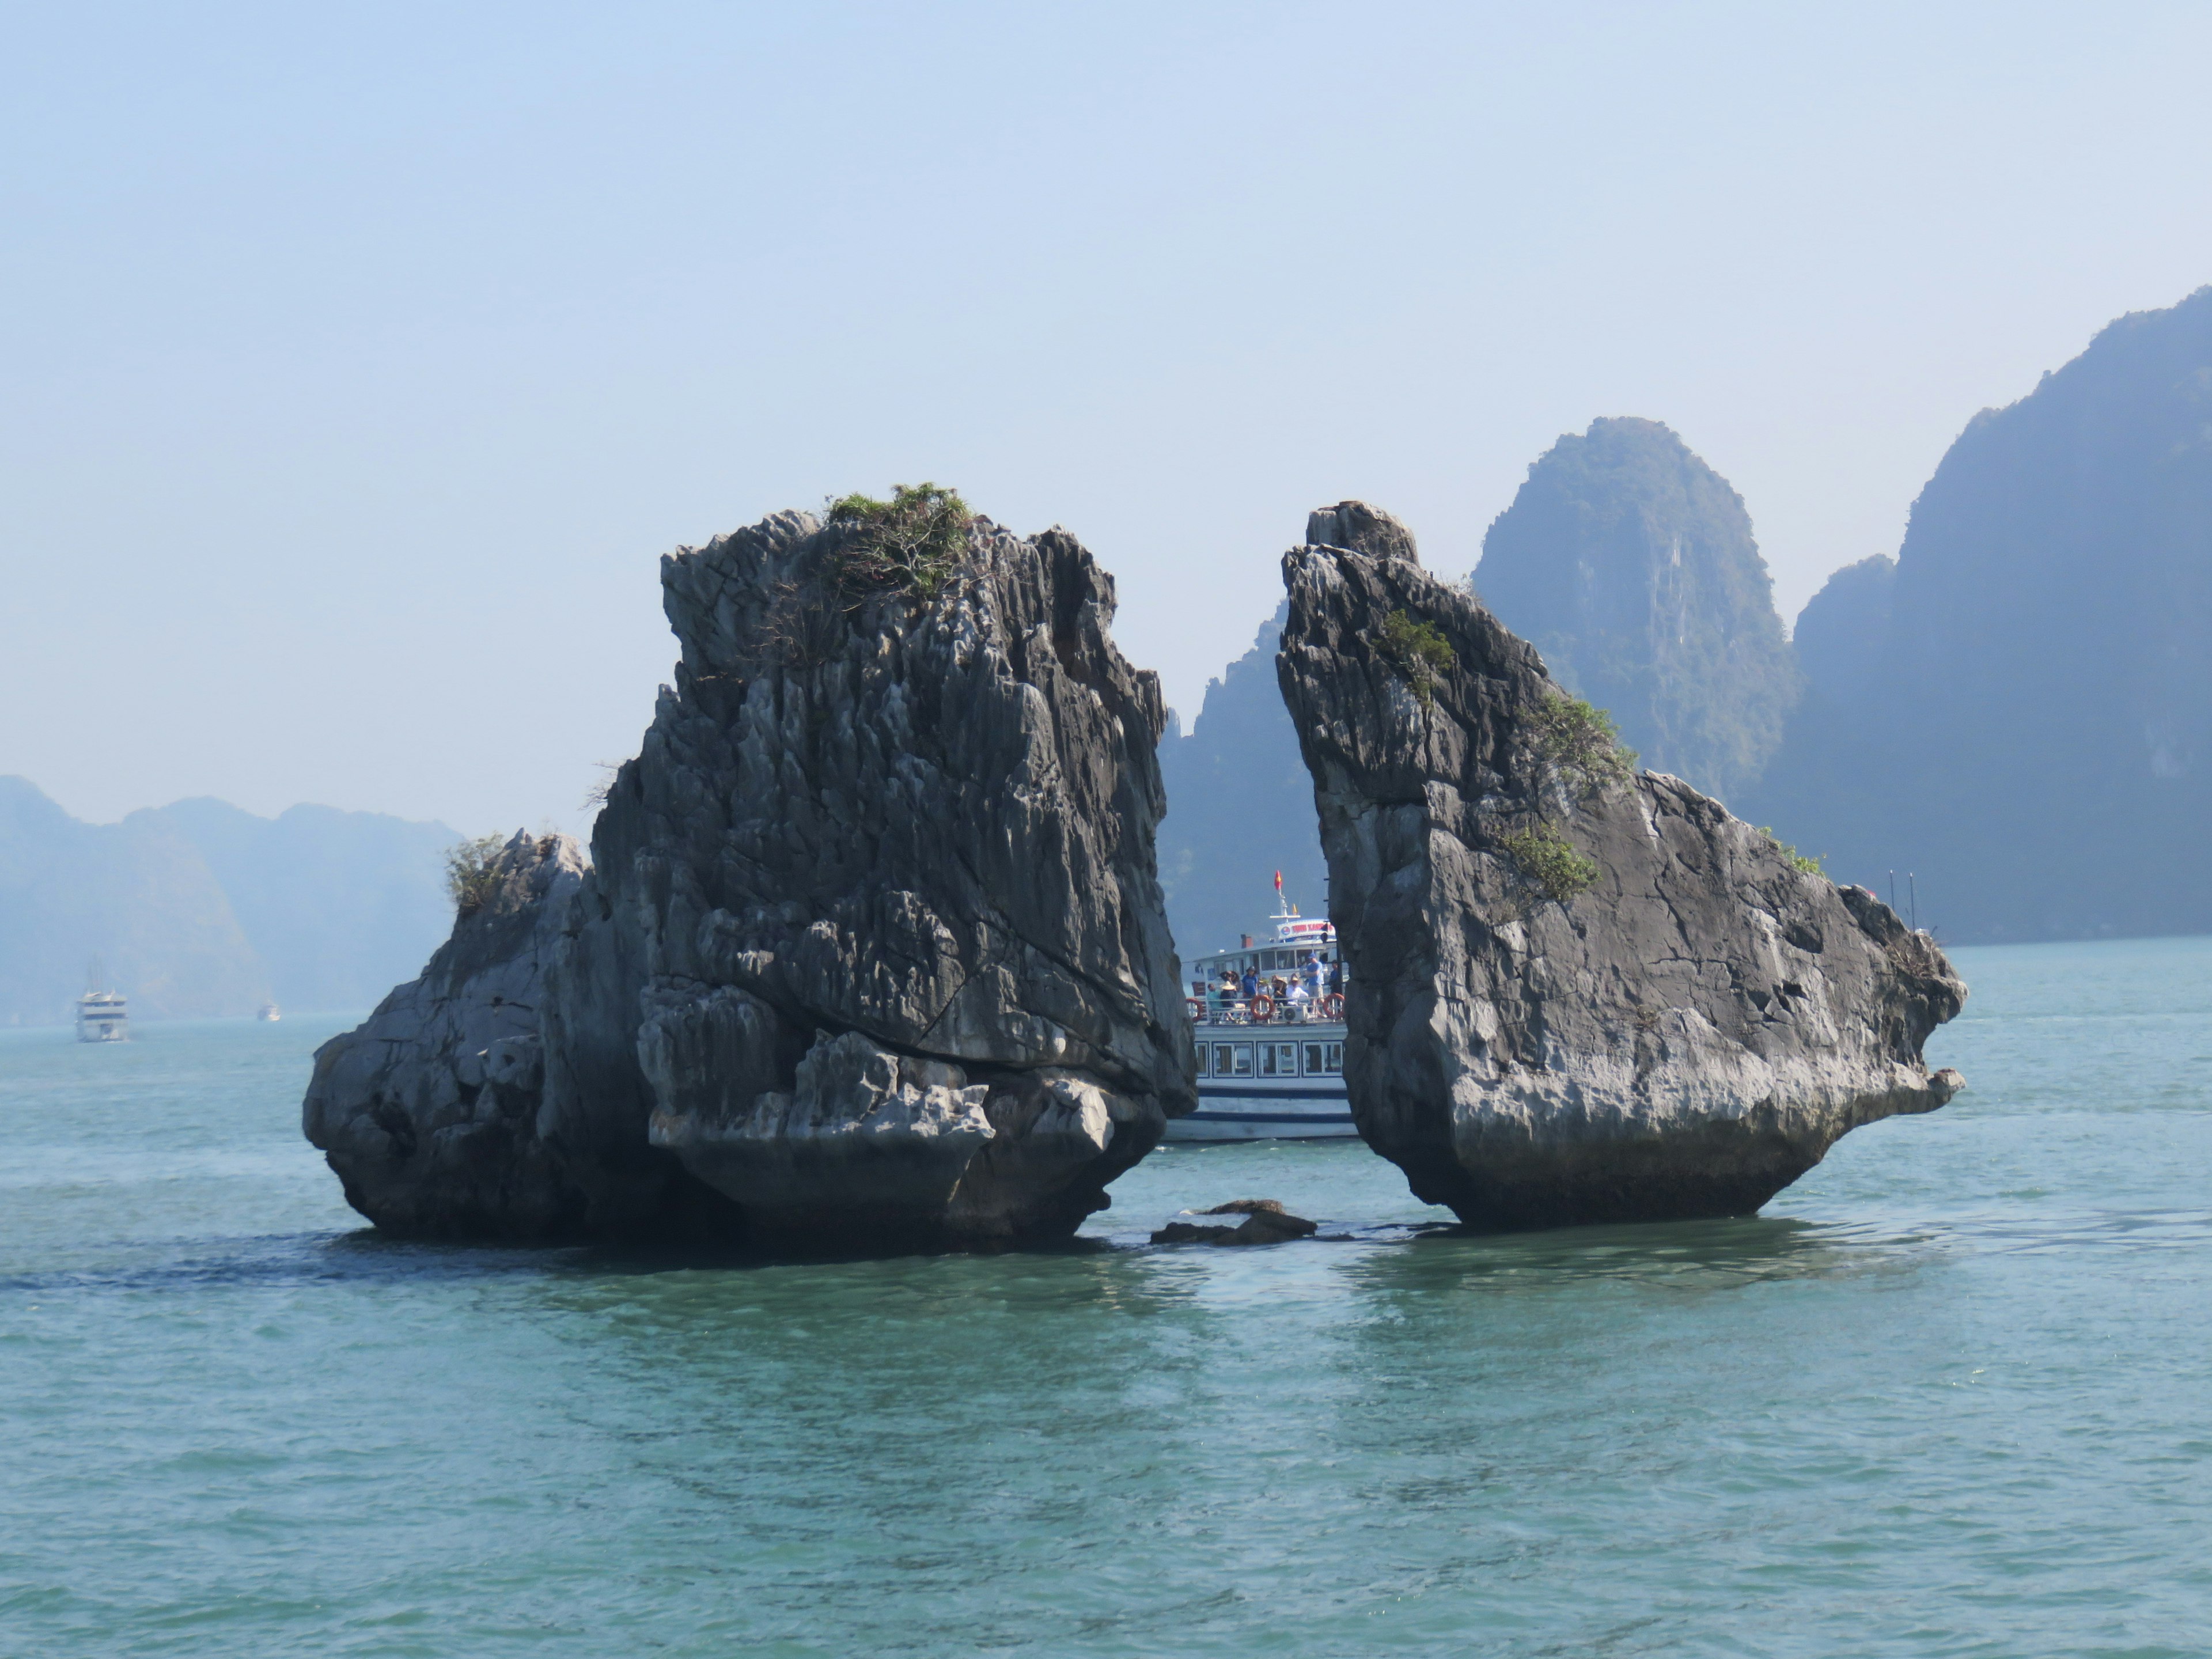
(433, 1114)
(872, 951)
(873, 943)
(1684, 1038)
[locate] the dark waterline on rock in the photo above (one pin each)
(1943, 1397)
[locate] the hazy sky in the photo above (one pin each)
(362, 361)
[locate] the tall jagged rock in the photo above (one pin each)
(873, 940)
(433, 1114)
(1683, 1039)
(872, 949)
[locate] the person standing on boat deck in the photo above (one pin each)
(1251, 983)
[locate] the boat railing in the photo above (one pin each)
(1328, 1009)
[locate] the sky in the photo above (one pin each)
(361, 362)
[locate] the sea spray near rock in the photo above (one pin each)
(872, 945)
(1684, 1038)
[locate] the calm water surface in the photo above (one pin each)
(1949, 1395)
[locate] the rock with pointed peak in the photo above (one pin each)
(1683, 1037)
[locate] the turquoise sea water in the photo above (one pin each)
(1952, 1394)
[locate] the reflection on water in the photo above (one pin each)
(1944, 1397)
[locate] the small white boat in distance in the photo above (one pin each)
(1270, 1064)
(269, 1012)
(102, 1016)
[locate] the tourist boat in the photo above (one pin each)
(270, 1013)
(101, 1015)
(1269, 1068)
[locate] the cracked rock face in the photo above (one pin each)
(1683, 1039)
(433, 1114)
(873, 943)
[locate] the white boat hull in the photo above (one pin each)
(1232, 1113)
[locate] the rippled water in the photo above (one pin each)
(1949, 1395)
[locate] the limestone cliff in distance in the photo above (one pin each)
(1575, 994)
(1240, 807)
(2024, 720)
(1840, 632)
(1630, 565)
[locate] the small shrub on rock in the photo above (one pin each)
(1416, 649)
(472, 872)
(1549, 859)
(1582, 742)
(911, 542)
(1809, 863)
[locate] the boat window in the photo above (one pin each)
(1201, 1049)
(1314, 1066)
(1278, 1059)
(1332, 1061)
(1232, 1059)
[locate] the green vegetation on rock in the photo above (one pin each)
(913, 542)
(1809, 863)
(1581, 743)
(472, 872)
(1550, 861)
(1416, 649)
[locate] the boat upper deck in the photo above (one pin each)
(1294, 979)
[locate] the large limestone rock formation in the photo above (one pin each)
(874, 938)
(1684, 1037)
(433, 1114)
(871, 952)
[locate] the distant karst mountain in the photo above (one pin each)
(1240, 807)
(1840, 632)
(1630, 565)
(2019, 711)
(198, 908)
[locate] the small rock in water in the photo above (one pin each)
(1265, 1222)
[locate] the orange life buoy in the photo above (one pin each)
(1262, 1007)
(1331, 1007)
(1197, 1006)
